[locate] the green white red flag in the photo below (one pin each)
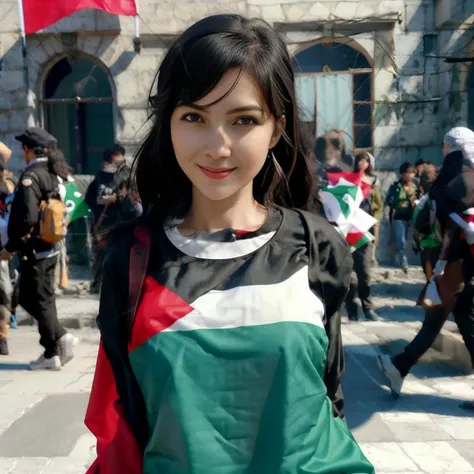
(40, 14)
(341, 200)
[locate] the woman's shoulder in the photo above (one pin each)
(122, 238)
(320, 230)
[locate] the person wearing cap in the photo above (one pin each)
(38, 258)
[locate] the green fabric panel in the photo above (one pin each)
(242, 400)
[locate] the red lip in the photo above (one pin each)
(216, 173)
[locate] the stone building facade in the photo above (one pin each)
(385, 58)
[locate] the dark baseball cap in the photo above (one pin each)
(35, 137)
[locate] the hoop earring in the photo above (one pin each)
(277, 166)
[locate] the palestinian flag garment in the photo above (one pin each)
(226, 369)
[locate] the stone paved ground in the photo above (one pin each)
(424, 432)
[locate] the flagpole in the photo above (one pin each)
(137, 43)
(29, 94)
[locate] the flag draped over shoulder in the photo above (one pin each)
(40, 14)
(341, 200)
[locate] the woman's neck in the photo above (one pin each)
(239, 211)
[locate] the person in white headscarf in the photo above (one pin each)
(452, 286)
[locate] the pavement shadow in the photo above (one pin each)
(433, 364)
(8, 366)
(366, 394)
(401, 313)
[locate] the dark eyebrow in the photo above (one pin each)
(247, 108)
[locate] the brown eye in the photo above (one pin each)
(246, 121)
(192, 118)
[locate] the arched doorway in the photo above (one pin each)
(334, 84)
(77, 105)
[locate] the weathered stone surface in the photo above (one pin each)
(273, 12)
(402, 73)
(346, 10)
(320, 11)
(9, 16)
(297, 12)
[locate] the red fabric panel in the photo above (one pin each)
(40, 14)
(158, 310)
(117, 449)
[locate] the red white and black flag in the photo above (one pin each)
(39, 14)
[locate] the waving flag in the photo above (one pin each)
(75, 203)
(341, 199)
(40, 14)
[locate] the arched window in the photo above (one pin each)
(77, 106)
(334, 85)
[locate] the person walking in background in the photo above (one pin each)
(127, 198)
(37, 184)
(452, 195)
(419, 171)
(401, 199)
(101, 197)
(5, 153)
(6, 286)
(362, 256)
(6, 175)
(428, 177)
(111, 201)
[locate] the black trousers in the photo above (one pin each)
(362, 265)
(463, 313)
(38, 299)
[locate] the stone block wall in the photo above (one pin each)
(417, 97)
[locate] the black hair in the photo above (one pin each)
(406, 167)
(429, 163)
(364, 155)
(118, 149)
(320, 148)
(223, 43)
(57, 163)
(420, 162)
(108, 155)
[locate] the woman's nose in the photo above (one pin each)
(219, 144)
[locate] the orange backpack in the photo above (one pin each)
(53, 221)
(53, 218)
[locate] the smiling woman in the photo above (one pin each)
(232, 361)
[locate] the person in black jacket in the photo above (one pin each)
(37, 258)
(453, 193)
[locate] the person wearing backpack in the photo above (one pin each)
(37, 222)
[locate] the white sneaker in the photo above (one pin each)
(66, 347)
(391, 372)
(53, 363)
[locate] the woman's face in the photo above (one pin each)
(223, 147)
(363, 164)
